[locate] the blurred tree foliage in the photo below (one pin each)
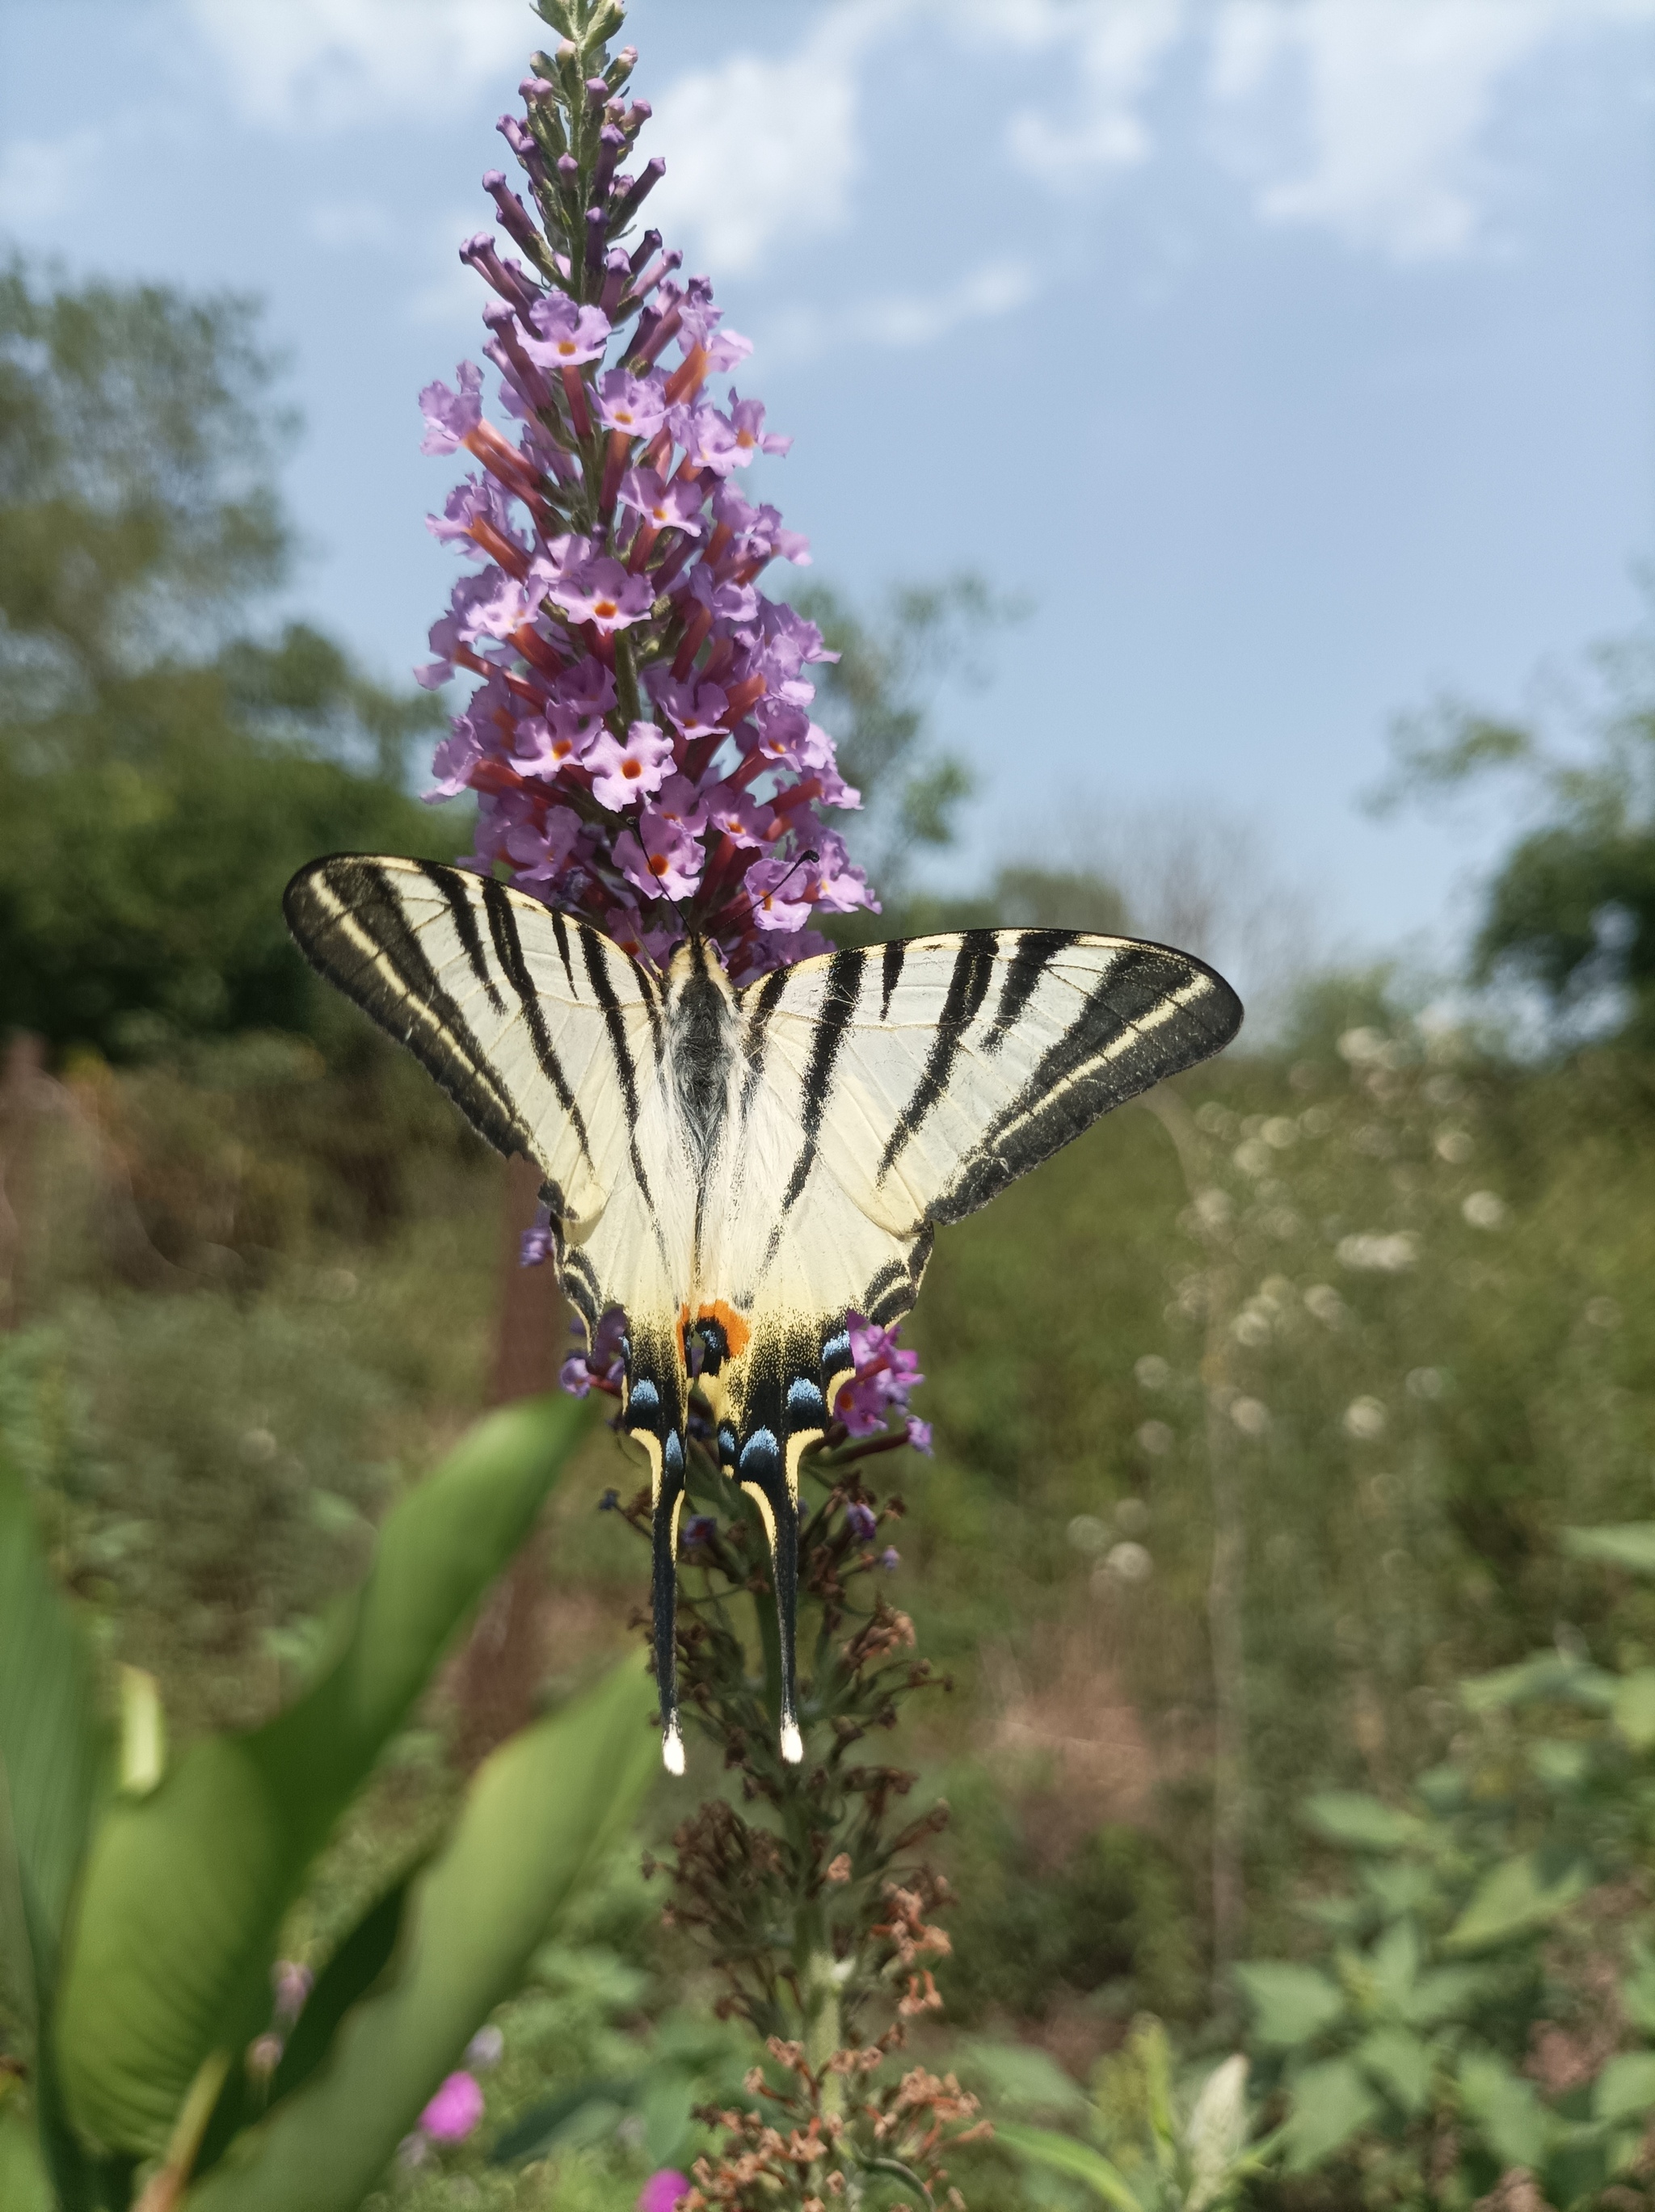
(873, 700)
(1571, 907)
(162, 770)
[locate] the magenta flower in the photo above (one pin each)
(454, 2110)
(561, 335)
(884, 1373)
(667, 861)
(626, 770)
(635, 405)
(450, 416)
(860, 1523)
(675, 506)
(602, 593)
(662, 2191)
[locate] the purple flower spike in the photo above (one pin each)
(454, 2110)
(890, 1559)
(860, 1523)
(662, 2191)
(638, 741)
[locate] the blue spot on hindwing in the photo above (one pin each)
(805, 1402)
(836, 1346)
(673, 1456)
(644, 1395)
(761, 1457)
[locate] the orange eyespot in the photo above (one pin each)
(737, 1334)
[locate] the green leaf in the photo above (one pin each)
(1063, 2155)
(540, 1816)
(1549, 1675)
(1625, 2090)
(1517, 1898)
(1331, 2102)
(1400, 2063)
(665, 2111)
(184, 1892)
(1446, 1993)
(24, 2183)
(1394, 1963)
(1514, 2123)
(1630, 1545)
(1638, 1989)
(54, 1747)
(1291, 2004)
(352, 1971)
(1361, 1823)
(1020, 2076)
(54, 1766)
(1635, 1709)
(552, 2122)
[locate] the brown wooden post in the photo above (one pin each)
(499, 1673)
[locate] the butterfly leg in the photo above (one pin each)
(654, 1417)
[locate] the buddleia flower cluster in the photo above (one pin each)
(640, 742)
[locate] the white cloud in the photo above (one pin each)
(1395, 98)
(758, 150)
(915, 319)
(343, 224)
(323, 64)
(43, 179)
(1119, 47)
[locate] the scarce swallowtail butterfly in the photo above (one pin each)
(743, 1168)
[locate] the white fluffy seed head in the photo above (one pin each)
(793, 1744)
(672, 1752)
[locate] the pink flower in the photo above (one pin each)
(667, 863)
(776, 889)
(601, 591)
(450, 415)
(747, 421)
(635, 404)
(675, 506)
(567, 334)
(621, 774)
(453, 2111)
(662, 2191)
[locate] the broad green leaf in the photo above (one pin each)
(54, 1747)
(349, 1974)
(1398, 1885)
(1547, 1675)
(1291, 2004)
(1514, 2123)
(185, 1891)
(1020, 2076)
(664, 2109)
(1400, 2063)
(1518, 1897)
(1625, 2090)
(1635, 1708)
(54, 1772)
(540, 1816)
(1361, 1823)
(24, 2183)
(1331, 2102)
(1630, 1545)
(1561, 1764)
(1063, 2155)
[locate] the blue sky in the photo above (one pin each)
(1292, 358)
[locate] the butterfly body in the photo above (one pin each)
(741, 1168)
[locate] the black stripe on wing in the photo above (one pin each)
(352, 923)
(844, 984)
(1153, 1012)
(968, 987)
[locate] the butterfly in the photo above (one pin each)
(739, 1169)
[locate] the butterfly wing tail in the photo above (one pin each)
(654, 1416)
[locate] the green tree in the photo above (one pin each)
(163, 768)
(1571, 906)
